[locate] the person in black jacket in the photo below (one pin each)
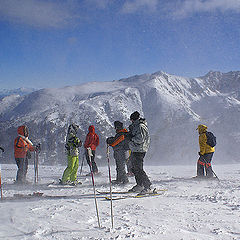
(121, 151)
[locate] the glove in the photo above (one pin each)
(80, 143)
(129, 136)
(38, 147)
(29, 155)
(89, 151)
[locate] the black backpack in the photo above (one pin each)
(211, 139)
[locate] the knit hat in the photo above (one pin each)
(134, 116)
(118, 125)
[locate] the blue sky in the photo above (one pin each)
(57, 43)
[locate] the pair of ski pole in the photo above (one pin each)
(1, 178)
(36, 162)
(1, 184)
(89, 151)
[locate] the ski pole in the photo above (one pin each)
(82, 165)
(36, 167)
(210, 168)
(110, 182)
(1, 184)
(36, 162)
(94, 190)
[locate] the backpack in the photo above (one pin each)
(211, 139)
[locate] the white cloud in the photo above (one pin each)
(132, 6)
(189, 7)
(40, 13)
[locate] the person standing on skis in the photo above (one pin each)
(120, 147)
(22, 148)
(139, 144)
(72, 145)
(205, 153)
(90, 145)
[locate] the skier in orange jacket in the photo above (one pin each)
(22, 148)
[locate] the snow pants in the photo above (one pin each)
(129, 163)
(204, 163)
(120, 157)
(91, 161)
(137, 168)
(70, 173)
(22, 164)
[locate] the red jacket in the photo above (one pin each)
(92, 139)
(21, 144)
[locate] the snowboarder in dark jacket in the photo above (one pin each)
(139, 144)
(120, 147)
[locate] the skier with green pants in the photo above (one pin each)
(72, 145)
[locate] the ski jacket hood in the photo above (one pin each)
(91, 129)
(23, 131)
(202, 128)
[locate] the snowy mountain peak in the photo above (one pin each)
(19, 91)
(172, 105)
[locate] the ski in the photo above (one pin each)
(126, 192)
(154, 194)
(95, 174)
(43, 196)
(58, 184)
(30, 195)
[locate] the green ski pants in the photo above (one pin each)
(70, 172)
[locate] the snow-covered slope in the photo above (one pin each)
(189, 209)
(172, 105)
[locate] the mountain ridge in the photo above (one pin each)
(173, 106)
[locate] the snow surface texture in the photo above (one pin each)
(188, 210)
(172, 105)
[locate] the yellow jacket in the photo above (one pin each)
(204, 147)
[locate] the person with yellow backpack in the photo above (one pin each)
(207, 141)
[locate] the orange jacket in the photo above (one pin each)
(92, 139)
(21, 144)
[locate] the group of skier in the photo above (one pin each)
(129, 146)
(136, 140)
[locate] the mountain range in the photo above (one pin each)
(172, 105)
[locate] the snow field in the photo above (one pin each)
(188, 210)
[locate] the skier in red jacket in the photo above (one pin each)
(91, 142)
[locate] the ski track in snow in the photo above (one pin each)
(188, 210)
